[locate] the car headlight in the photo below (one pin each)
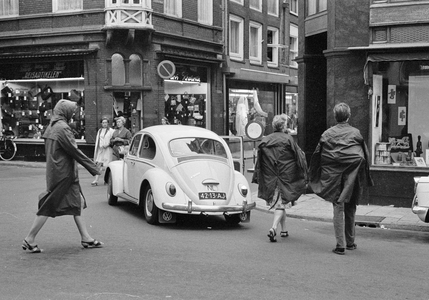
(243, 189)
(171, 189)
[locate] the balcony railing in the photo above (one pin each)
(128, 17)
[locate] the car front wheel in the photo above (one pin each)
(150, 210)
(111, 199)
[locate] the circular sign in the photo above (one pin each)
(166, 69)
(254, 130)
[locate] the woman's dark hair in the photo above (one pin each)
(342, 112)
(102, 119)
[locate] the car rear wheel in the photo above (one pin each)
(150, 210)
(111, 199)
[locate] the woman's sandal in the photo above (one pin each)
(93, 244)
(32, 249)
(284, 234)
(272, 235)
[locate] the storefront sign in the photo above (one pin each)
(46, 70)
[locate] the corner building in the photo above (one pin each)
(141, 59)
(373, 56)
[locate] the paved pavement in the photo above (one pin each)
(312, 207)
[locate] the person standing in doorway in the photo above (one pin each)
(338, 170)
(281, 173)
(63, 195)
(103, 153)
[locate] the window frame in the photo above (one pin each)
(255, 59)
(241, 2)
(258, 7)
(177, 7)
(12, 12)
(55, 8)
(276, 6)
(240, 54)
(293, 5)
(293, 28)
(275, 47)
(316, 7)
(203, 6)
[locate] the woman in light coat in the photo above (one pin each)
(103, 153)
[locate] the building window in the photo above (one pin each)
(256, 4)
(238, 1)
(294, 6)
(118, 70)
(273, 47)
(293, 46)
(205, 12)
(255, 42)
(236, 37)
(316, 6)
(399, 111)
(9, 8)
(136, 70)
(273, 7)
(67, 5)
(173, 8)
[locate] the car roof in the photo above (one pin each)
(169, 132)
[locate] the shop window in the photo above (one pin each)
(31, 91)
(256, 4)
(173, 8)
(400, 133)
(291, 100)
(249, 106)
(316, 6)
(136, 71)
(236, 37)
(186, 96)
(273, 7)
(205, 12)
(130, 106)
(118, 69)
(255, 43)
(273, 47)
(293, 6)
(9, 8)
(293, 46)
(67, 5)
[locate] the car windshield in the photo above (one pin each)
(192, 146)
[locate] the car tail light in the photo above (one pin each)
(171, 189)
(243, 189)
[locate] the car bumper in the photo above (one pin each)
(421, 212)
(190, 207)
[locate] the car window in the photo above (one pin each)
(135, 145)
(192, 146)
(148, 148)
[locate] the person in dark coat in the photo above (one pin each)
(281, 173)
(339, 168)
(63, 195)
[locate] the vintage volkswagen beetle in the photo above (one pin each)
(178, 169)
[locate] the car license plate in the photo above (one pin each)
(212, 195)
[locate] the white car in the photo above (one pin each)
(420, 205)
(178, 169)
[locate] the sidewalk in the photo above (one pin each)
(312, 207)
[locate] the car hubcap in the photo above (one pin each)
(149, 203)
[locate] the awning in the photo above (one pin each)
(379, 57)
(42, 54)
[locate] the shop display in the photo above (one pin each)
(186, 109)
(382, 153)
(27, 111)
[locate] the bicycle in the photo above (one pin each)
(7, 146)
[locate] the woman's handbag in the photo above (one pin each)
(123, 149)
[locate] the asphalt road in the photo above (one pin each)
(198, 258)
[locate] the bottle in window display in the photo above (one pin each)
(419, 150)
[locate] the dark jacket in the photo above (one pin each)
(339, 166)
(281, 163)
(63, 195)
